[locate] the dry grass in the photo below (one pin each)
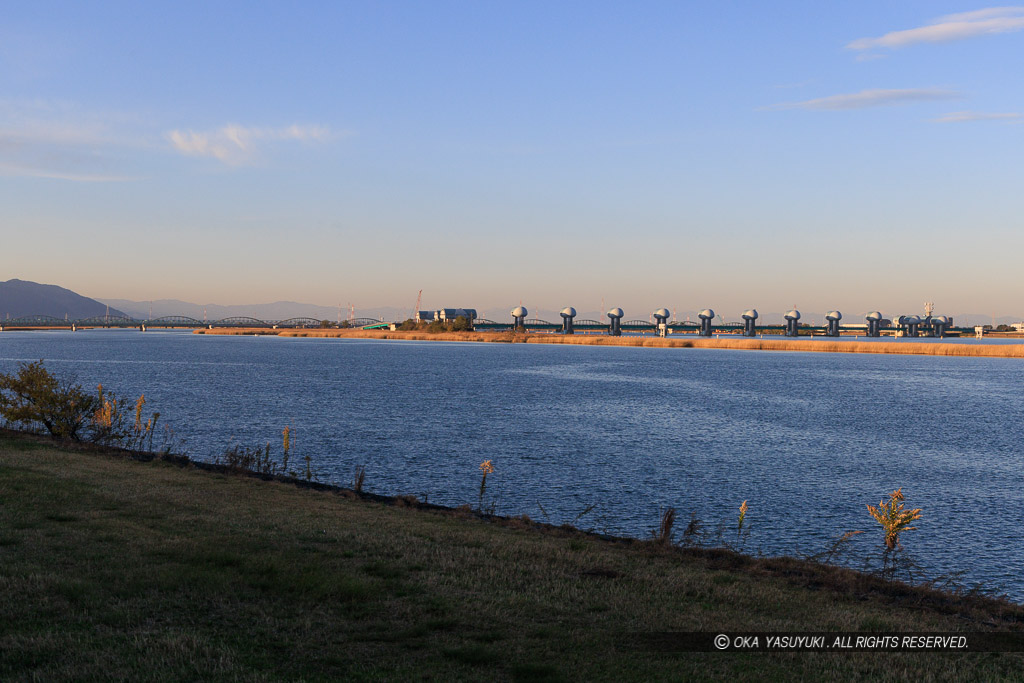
(738, 343)
(117, 569)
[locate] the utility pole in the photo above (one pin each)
(419, 300)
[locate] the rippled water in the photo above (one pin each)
(807, 438)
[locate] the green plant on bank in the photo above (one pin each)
(485, 468)
(838, 549)
(259, 459)
(33, 397)
(742, 526)
(286, 435)
(111, 426)
(664, 533)
(895, 519)
(250, 459)
(358, 477)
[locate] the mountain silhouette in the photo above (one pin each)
(23, 298)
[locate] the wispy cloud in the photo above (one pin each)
(7, 169)
(967, 116)
(870, 98)
(983, 22)
(237, 145)
(41, 139)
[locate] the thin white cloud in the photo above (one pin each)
(980, 14)
(870, 98)
(983, 22)
(57, 140)
(967, 116)
(30, 172)
(235, 145)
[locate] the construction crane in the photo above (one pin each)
(416, 310)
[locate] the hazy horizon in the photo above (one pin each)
(851, 157)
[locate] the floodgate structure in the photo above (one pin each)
(874, 326)
(707, 324)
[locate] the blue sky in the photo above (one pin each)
(829, 155)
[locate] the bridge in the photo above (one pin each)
(168, 322)
(584, 326)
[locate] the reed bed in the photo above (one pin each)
(817, 344)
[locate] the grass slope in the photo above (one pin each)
(117, 569)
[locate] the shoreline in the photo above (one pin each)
(380, 579)
(815, 345)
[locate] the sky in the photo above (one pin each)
(860, 156)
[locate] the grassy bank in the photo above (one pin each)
(818, 344)
(115, 568)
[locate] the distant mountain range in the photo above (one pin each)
(279, 310)
(22, 298)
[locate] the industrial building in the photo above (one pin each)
(446, 315)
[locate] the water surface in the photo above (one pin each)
(807, 438)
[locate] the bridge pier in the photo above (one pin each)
(750, 323)
(833, 318)
(615, 322)
(792, 323)
(909, 323)
(661, 320)
(706, 316)
(874, 319)
(519, 314)
(568, 314)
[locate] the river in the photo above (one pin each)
(808, 439)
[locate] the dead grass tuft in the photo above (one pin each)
(905, 347)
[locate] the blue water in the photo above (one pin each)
(808, 439)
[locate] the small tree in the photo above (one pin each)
(34, 397)
(462, 324)
(894, 518)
